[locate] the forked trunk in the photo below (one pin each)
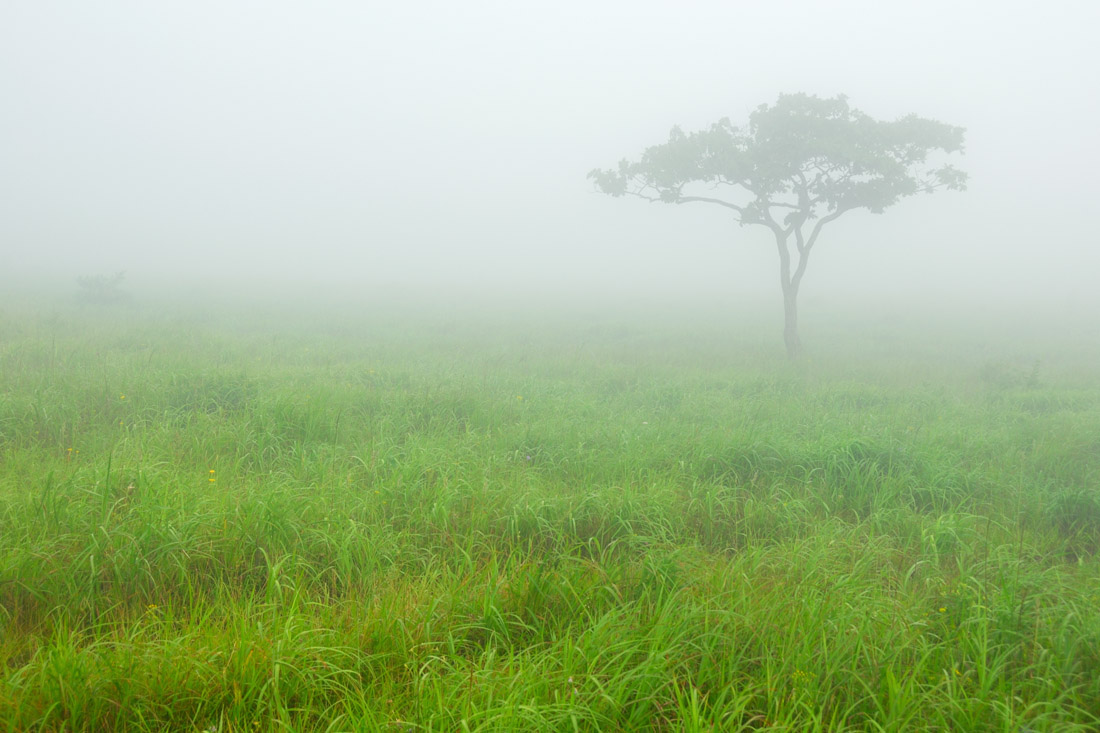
(789, 282)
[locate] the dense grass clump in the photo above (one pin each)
(417, 524)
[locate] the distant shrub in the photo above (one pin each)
(102, 289)
(1009, 375)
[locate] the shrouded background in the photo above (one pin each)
(351, 145)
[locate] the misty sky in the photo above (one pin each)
(353, 143)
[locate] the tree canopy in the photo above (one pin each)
(798, 165)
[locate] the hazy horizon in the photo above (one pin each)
(345, 147)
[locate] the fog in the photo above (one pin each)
(442, 147)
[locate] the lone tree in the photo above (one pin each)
(801, 163)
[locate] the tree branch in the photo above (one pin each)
(804, 248)
(639, 192)
(820, 223)
(709, 200)
(781, 205)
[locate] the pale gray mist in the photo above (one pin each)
(442, 147)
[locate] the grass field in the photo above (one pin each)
(373, 521)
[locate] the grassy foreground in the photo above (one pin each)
(380, 524)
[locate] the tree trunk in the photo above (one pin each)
(789, 283)
(790, 322)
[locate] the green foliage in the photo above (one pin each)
(286, 528)
(800, 158)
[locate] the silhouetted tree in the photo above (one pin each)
(800, 164)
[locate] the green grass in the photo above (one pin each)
(414, 523)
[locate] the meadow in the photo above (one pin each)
(370, 520)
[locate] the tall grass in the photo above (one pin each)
(385, 524)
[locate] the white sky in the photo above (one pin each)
(349, 143)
